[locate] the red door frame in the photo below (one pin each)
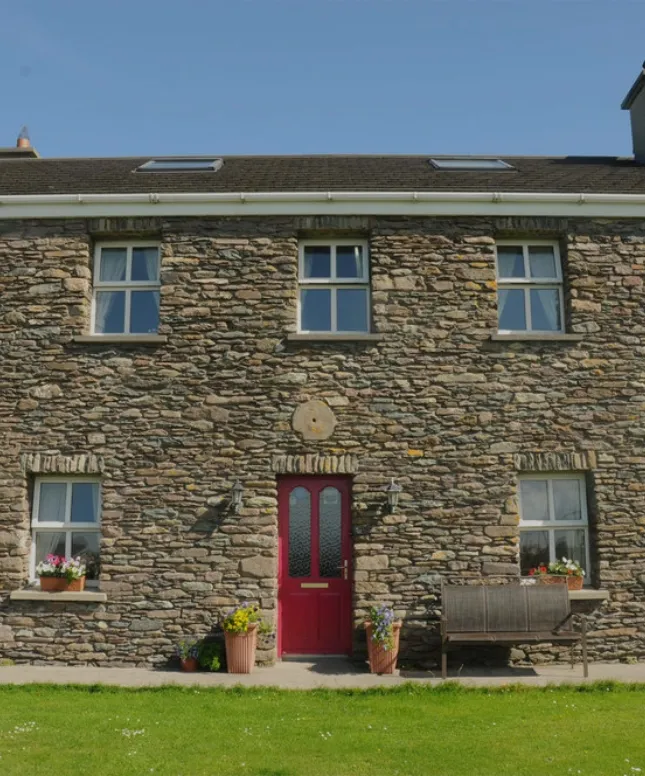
(340, 586)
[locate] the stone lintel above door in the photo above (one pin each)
(312, 463)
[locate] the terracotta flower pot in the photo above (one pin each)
(189, 664)
(382, 661)
(572, 582)
(53, 584)
(61, 585)
(240, 650)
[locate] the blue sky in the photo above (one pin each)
(131, 77)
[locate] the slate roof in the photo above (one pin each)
(569, 174)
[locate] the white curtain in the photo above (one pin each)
(95, 502)
(152, 263)
(111, 271)
(51, 508)
(548, 300)
(49, 544)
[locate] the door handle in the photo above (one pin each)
(344, 567)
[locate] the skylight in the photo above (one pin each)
(469, 163)
(189, 164)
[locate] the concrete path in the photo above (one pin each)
(309, 674)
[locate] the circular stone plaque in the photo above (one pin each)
(314, 420)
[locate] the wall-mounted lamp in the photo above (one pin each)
(236, 496)
(393, 492)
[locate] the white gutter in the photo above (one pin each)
(412, 203)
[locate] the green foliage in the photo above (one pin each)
(210, 655)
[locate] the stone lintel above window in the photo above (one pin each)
(46, 463)
(555, 461)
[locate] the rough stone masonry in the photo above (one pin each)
(434, 403)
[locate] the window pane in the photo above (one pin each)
(510, 261)
(112, 264)
(109, 317)
(350, 261)
(299, 533)
(330, 536)
(534, 550)
(144, 312)
(315, 309)
(512, 315)
(571, 544)
(49, 544)
(86, 546)
(534, 500)
(351, 309)
(85, 502)
(545, 309)
(51, 508)
(542, 261)
(317, 261)
(145, 263)
(567, 502)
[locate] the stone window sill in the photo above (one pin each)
(588, 595)
(334, 337)
(33, 594)
(121, 339)
(525, 337)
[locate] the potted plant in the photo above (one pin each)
(565, 571)
(240, 627)
(60, 574)
(382, 639)
(188, 653)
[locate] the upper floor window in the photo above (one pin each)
(66, 521)
(553, 520)
(126, 289)
(529, 287)
(334, 290)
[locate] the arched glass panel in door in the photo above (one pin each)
(299, 533)
(330, 559)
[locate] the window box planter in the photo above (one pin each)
(62, 585)
(240, 650)
(382, 660)
(571, 581)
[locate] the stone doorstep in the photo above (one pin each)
(85, 596)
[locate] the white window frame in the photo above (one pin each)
(528, 283)
(553, 525)
(123, 285)
(66, 526)
(334, 283)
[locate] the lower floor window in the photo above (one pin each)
(66, 521)
(553, 520)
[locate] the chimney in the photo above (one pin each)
(634, 102)
(23, 148)
(23, 138)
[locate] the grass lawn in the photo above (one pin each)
(441, 731)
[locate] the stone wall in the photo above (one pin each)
(434, 403)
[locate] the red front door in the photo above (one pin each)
(315, 589)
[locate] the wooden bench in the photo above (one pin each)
(506, 615)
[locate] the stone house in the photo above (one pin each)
(213, 369)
